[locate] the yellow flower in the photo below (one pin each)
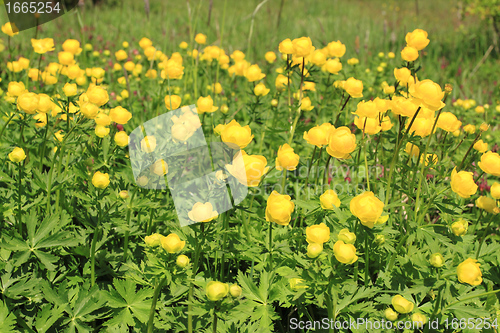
(318, 135)
(318, 233)
(459, 228)
(436, 260)
(341, 142)
(235, 290)
(205, 104)
(253, 73)
(69, 89)
(286, 46)
(409, 54)
(421, 126)
(91, 111)
(281, 82)
(17, 155)
(148, 144)
(306, 104)
(183, 45)
(172, 102)
(203, 212)
(153, 240)
(314, 250)
(270, 57)
(390, 314)
(182, 261)
(332, 66)
(346, 236)
(462, 183)
(402, 305)
(45, 103)
(120, 115)
(368, 209)
(100, 180)
(28, 102)
(345, 253)
(302, 46)
(216, 290)
(72, 46)
(490, 163)
(318, 58)
(172, 243)
(173, 69)
(417, 39)
(495, 190)
(159, 168)
(200, 38)
(121, 138)
(353, 61)
(101, 131)
(336, 49)
(237, 134)
(428, 93)
(123, 194)
(66, 58)
(279, 208)
(10, 29)
(488, 204)
(16, 88)
(448, 121)
(261, 90)
(412, 149)
(329, 199)
(97, 95)
(367, 109)
(403, 76)
(286, 158)
(145, 42)
(419, 319)
(252, 170)
(354, 87)
(42, 46)
(41, 119)
(469, 272)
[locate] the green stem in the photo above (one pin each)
(484, 236)
(270, 245)
(7, 123)
(127, 233)
(367, 260)
(472, 297)
(19, 211)
(294, 125)
(92, 256)
(153, 305)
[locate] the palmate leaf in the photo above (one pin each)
(128, 303)
(7, 320)
(47, 317)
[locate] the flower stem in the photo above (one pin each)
(367, 260)
(484, 236)
(153, 305)
(294, 125)
(92, 256)
(19, 211)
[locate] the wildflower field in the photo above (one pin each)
(254, 166)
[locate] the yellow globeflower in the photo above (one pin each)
(462, 183)
(121, 139)
(417, 39)
(279, 208)
(488, 204)
(100, 180)
(318, 135)
(346, 236)
(345, 253)
(368, 209)
(250, 173)
(205, 104)
(182, 261)
(314, 250)
(172, 102)
(42, 46)
(459, 228)
(120, 115)
(200, 38)
(153, 240)
(409, 54)
(10, 29)
(286, 159)
(254, 73)
(172, 243)
(329, 199)
(318, 233)
(402, 305)
(469, 272)
(354, 87)
(148, 144)
(202, 212)
(237, 134)
(490, 163)
(341, 142)
(216, 290)
(17, 155)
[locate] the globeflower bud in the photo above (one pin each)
(409, 54)
(123, 194)
(346, 236)
(436, 260)
(390, 314)
(459, 228)
(182, 261)
(279, 208)
(402, 305)
(379, 239)
(469, 272)
(329, 199)
(318, 233)
(17, 155)
(172, 243)
(345, 253)
(216, 290)
(235, 290)
(314, 250)
(153, 240)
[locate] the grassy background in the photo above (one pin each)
(458, 41)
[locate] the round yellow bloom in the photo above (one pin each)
(448, 121)
(97, 95)
(66, 58)
(318, 135)
(172, 243)
(436, 260)
(16, 88)
(402, 305)
(120, 115)
(462, 183)
(145, 42)
(123, 194)
(318, 233)
(346, 236)
(459, 228)
(495, 190)
(261, 90)
(173, 69)
(421, 126)
(70, 89)
(254, 169)
(10, 29)
(237, 134)
(205, 104)
(329, 199)
(200, 38)
(368, 209)
(253, 73)
(419, 319)
(279, 208)
(428, 93)
(17, 155)
(72, 46)
(286, 46)
(412, 149)
(409, 54)
(490, 163)
(488, 204)
(332, 66)
(306, 104)
(417, 39)
(148, 144)
(354, 87)
(42, 46)
(28, 102)
(182, 261)
(345, 253)
(45, 103)
(101, 131)
(341, 142)
(314, 250)
(481, 146)
(100, 180)
(286, 158)
(203, 212)
(121, 139)
(91, 111)
(367, 109)
(121, 55)
(172, 102)
(153, 240)
(336, 49)
(270, 57)
(302, 46)
(159, 168)
(216, 290)
(469, 272)
(403, 76)
(235, 290)
(390, 314)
